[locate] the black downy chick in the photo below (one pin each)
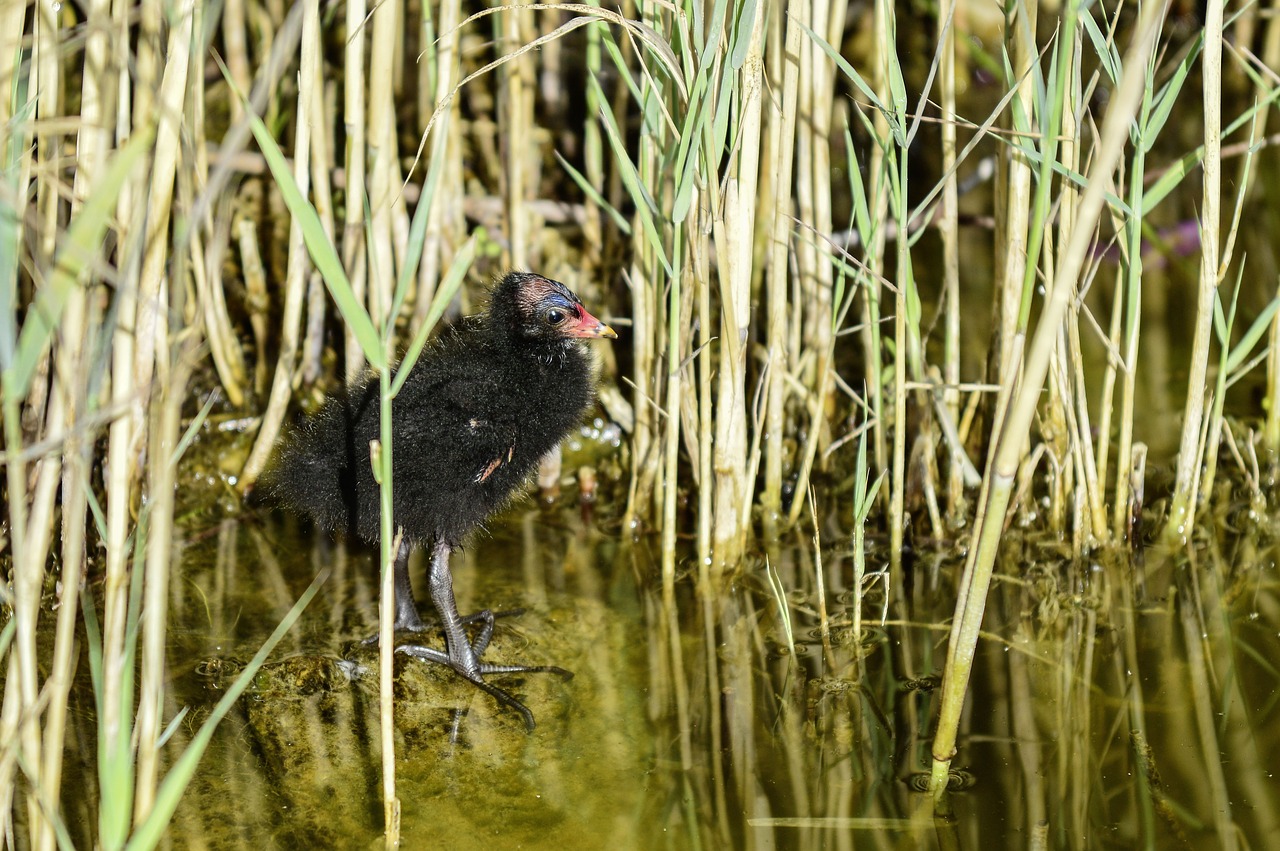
(480, 408)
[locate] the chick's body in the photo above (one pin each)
(474, 416)
(468, 427)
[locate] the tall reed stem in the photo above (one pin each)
(1177, 527)
(1007, 443)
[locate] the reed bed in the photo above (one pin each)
(225, 210)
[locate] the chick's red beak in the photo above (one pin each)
(588, 326)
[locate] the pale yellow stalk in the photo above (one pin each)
(381, 151)
(153, 298)
(949, 233)
(735, 253)
(1181, 509)
(93, 140)
(353, 117)
(782, 129)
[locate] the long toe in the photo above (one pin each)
(485, 615)
(427, 654)
(527, 669)
(503, 697)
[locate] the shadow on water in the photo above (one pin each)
(1119, 704)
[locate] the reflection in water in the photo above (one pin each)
(1113, 704)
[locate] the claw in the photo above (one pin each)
(431, 654)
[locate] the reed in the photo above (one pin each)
(690, 156)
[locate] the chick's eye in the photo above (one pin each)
(555, 317)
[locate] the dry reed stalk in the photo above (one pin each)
(1182, 508)
(1106, 404)
(31, 550)
(257, 302)
(322, 117)
(1091, 528)
(1013, 209)
(949, 234)
(147, 58)
(1082, 432)
(10, 716)
(354, 123)
(235, 52)
(127, 431)
(878, 210)
(814, 193)
(1056, 421)
(224, 347)
(1217, 425)
(47, 84)
(1202, 442)
(700, 425)
(426, 86)
(73, 371)
(32, 526)
(151, 356)
(593, 152)
(398, 53)
(45, 90)
(518, 144)
(14, 153)
(76, 474)
(163, 472)
(1056, 429)
(445, 223)
(782, 144)
(381, 147)
(153, 296)
(520, 158)
(209, 302)
(1093, 525)
(735, 249)
(644, 322)
(12, 36)
(703, 457)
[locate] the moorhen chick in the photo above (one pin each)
(482, 405)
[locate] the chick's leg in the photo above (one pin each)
(407, 617)
(459, 653)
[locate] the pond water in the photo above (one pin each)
(1118, 704)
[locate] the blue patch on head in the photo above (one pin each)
(559, 300)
